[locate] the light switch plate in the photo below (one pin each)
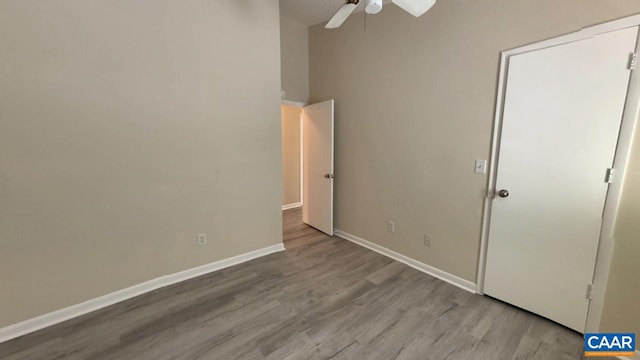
(481, 166)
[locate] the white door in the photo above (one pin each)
(317, 173)
(562, 114)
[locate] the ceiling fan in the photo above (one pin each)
(372, 7)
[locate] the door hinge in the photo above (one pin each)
(589, 294)
(609, 176)
(632, 61)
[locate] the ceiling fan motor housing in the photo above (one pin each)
(373, 7)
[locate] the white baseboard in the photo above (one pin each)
(435, 272)
(291, 206)
(636, 357)
(58, 316)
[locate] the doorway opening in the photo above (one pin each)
(307, 166)
(295, 233)
(291, 127)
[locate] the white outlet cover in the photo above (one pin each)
(202, 239)
(428, 240)
(481, 166)
(391, 226)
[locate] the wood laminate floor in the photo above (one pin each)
(323, 298)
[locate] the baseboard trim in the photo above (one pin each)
(291, 206)
(427, 269)
(58, 316)
(637, 356)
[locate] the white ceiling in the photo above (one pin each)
(312, 12)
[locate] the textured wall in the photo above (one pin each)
(126, 128)
(414, 108)
(294, 39)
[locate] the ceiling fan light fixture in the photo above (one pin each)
(415, 7)
(373, 7)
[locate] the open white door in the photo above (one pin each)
(561, 120)
(317, 173)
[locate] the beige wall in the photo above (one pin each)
(414, 109)
(294, 39)
(622, 310)
(126, 128)
(290, 154)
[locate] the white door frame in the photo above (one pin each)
(625, 140)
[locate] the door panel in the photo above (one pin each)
(561, 119)
(317, 152)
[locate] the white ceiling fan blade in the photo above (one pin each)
(415, 7)
(342, 15)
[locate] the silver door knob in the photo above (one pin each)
(328, 176)
(503, 193)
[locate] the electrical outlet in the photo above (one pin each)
(427, 240)
(391, 226)
(202, 239)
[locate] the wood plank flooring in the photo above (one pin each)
(323, 298)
